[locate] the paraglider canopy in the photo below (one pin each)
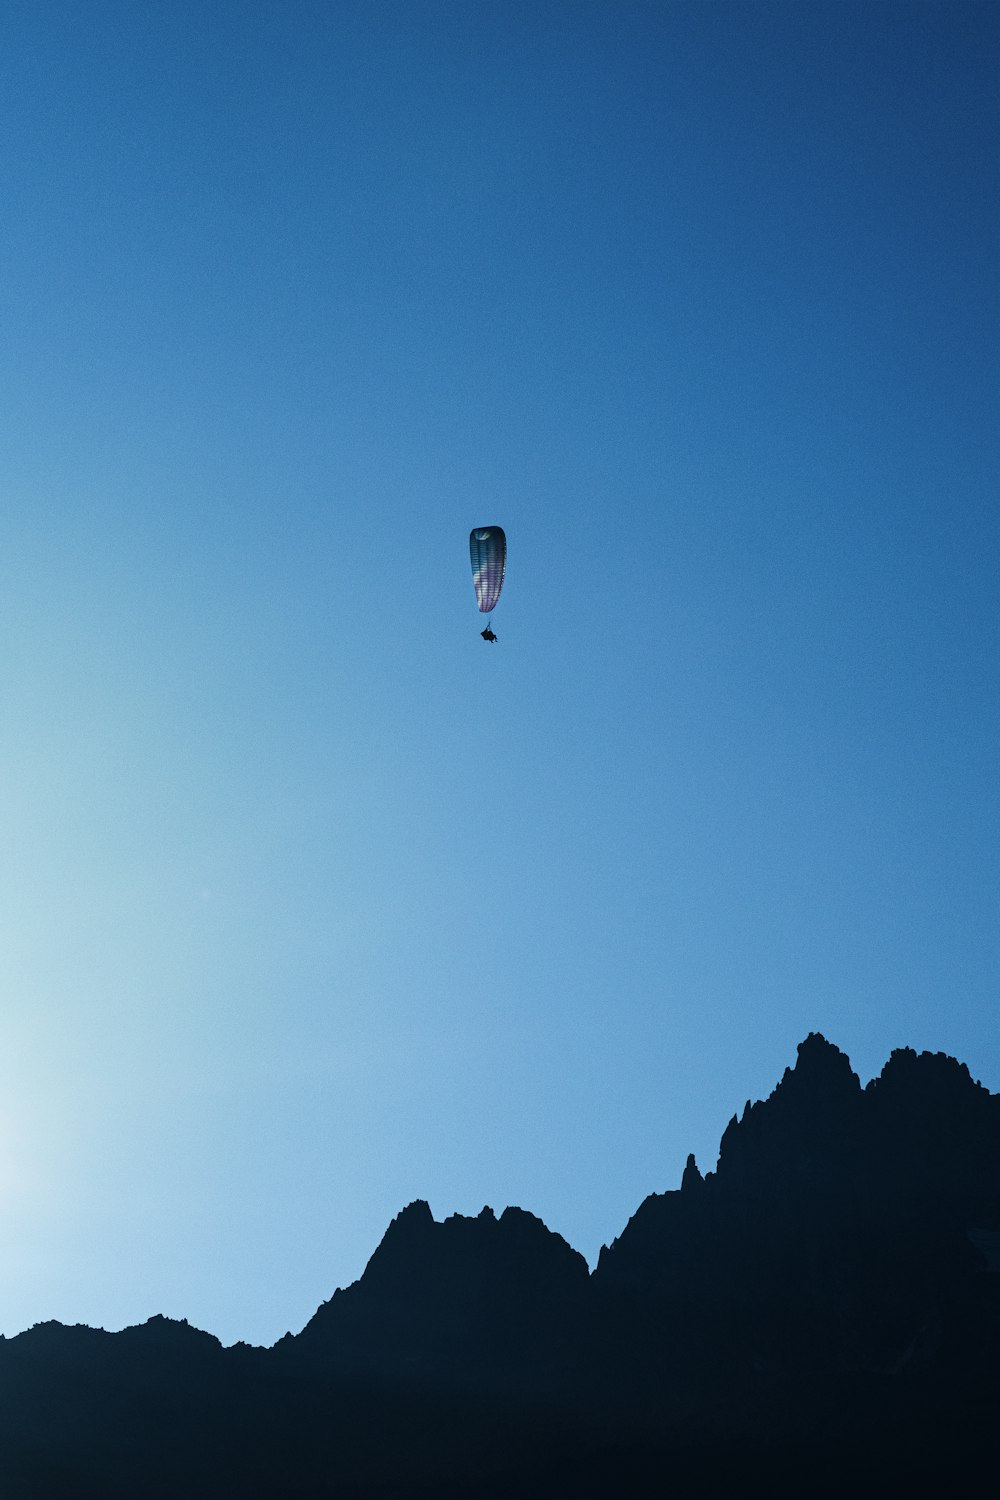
(488, 550)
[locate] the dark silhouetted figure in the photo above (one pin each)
(488, 635)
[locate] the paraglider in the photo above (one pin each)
(488, 551)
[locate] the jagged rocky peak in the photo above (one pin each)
(931, 1092)
(810, 1118)
(822, 1076)
(821, 1068)
(803, 1135)
(415, 1218)
(406, 1242)
(692, 1178)
(659, 1222)
(925, 1073)
(936, 1126)
(526, 1225)
(169, 1334)
(417, 1250)
(459, 1283)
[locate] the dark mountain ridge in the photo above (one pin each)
(820, 1313)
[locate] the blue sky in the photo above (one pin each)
(310, 902)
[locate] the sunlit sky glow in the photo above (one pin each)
(310, 902)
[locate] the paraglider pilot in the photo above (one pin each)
(488, 553)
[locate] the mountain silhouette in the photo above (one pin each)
(819, 1315)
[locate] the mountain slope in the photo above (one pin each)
(819, 1313)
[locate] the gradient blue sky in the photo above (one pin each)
(311, 902)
